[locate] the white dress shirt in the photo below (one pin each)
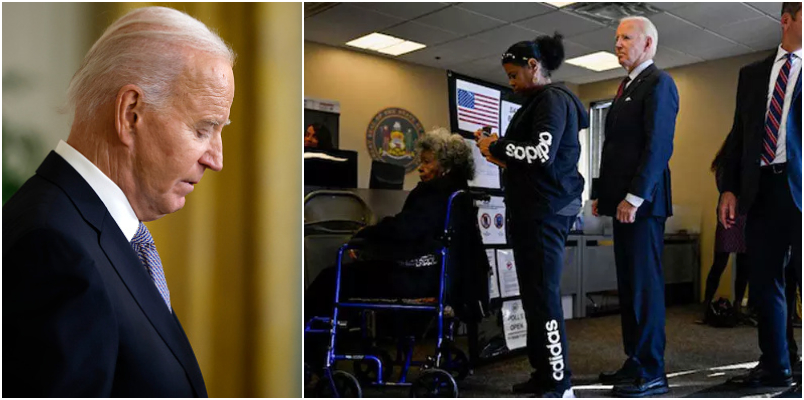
(636, 201)
(795, 70)
(110, 194)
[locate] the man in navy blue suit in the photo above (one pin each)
(634, 188)
(763, 180)
(86, 308)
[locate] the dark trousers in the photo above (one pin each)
(741, 269)
(539, 255)
(772, 229)
(792, 282)
(638, 251)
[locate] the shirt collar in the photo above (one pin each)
(780, 52)
(638, 70)
(110, 194)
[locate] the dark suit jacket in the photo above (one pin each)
(639, 142)
(81, 316)
(744, 144)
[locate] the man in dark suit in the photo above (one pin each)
(634, 187)
(762, 179)
(86, 308)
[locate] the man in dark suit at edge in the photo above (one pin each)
(86, 308)
(634, 188)
(762, 179)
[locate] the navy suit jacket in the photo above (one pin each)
(639, 142)
(743, 146)
(81, 315)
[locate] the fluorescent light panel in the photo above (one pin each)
(385, 44)
(600, 61)
(559, 4)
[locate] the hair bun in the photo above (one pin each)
(552, 50)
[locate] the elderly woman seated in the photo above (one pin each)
(399, 256)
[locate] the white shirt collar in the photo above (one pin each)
(638, 70)
(782, 52)
(110, 194)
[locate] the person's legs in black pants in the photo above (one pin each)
(792, 284)
(769, 234)
(713, 278)
(638, 255)
(539, 255)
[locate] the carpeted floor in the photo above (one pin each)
(699, 359)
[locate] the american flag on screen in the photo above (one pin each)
(476, 108)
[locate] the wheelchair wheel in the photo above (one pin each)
(455, 361)
(366, 370)
(434, 383)
(346, 385)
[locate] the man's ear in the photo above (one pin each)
(128, 108)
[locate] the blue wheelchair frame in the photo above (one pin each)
(438, 308)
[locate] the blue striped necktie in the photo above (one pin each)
(774, 117)
(144, 245)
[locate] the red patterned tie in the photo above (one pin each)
(622, 87)
(774, 115)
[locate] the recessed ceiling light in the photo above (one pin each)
(559, 4)
(385, 44)
(402, 48)
(600, 61)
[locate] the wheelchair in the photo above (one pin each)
(439, 372)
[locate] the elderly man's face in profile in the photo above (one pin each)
(174, 147)
(631, 44)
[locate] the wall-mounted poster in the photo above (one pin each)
(491, 220)
(391, 137)
(514, 324)
(506, 270)
(477, 106)
(487, 175)
(494, 287)
(507, 111)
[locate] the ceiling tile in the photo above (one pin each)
(772, 8)
(567, 71)
(714, 15)
(599, 40)
(421, 33)
(402, 10)
(668, 5)
(451, 53)
(564, 22)
(757, 31)
(504, 36)
(346, 22)
(460, 21)
(508, 11)
(572, 49)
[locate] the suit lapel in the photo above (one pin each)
(760, 105)
(125, 262)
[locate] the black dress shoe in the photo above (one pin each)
(759, 377)
(617, 377)
(642, 387)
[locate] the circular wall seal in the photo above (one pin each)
(391, 137)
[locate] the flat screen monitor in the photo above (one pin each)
(386, 176)
(330, 168)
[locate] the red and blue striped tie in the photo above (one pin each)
(774, 116)
(144, 245)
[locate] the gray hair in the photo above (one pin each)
(450, 149)
(146, 47)
(648, 29)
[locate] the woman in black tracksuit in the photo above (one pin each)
(539, 154)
